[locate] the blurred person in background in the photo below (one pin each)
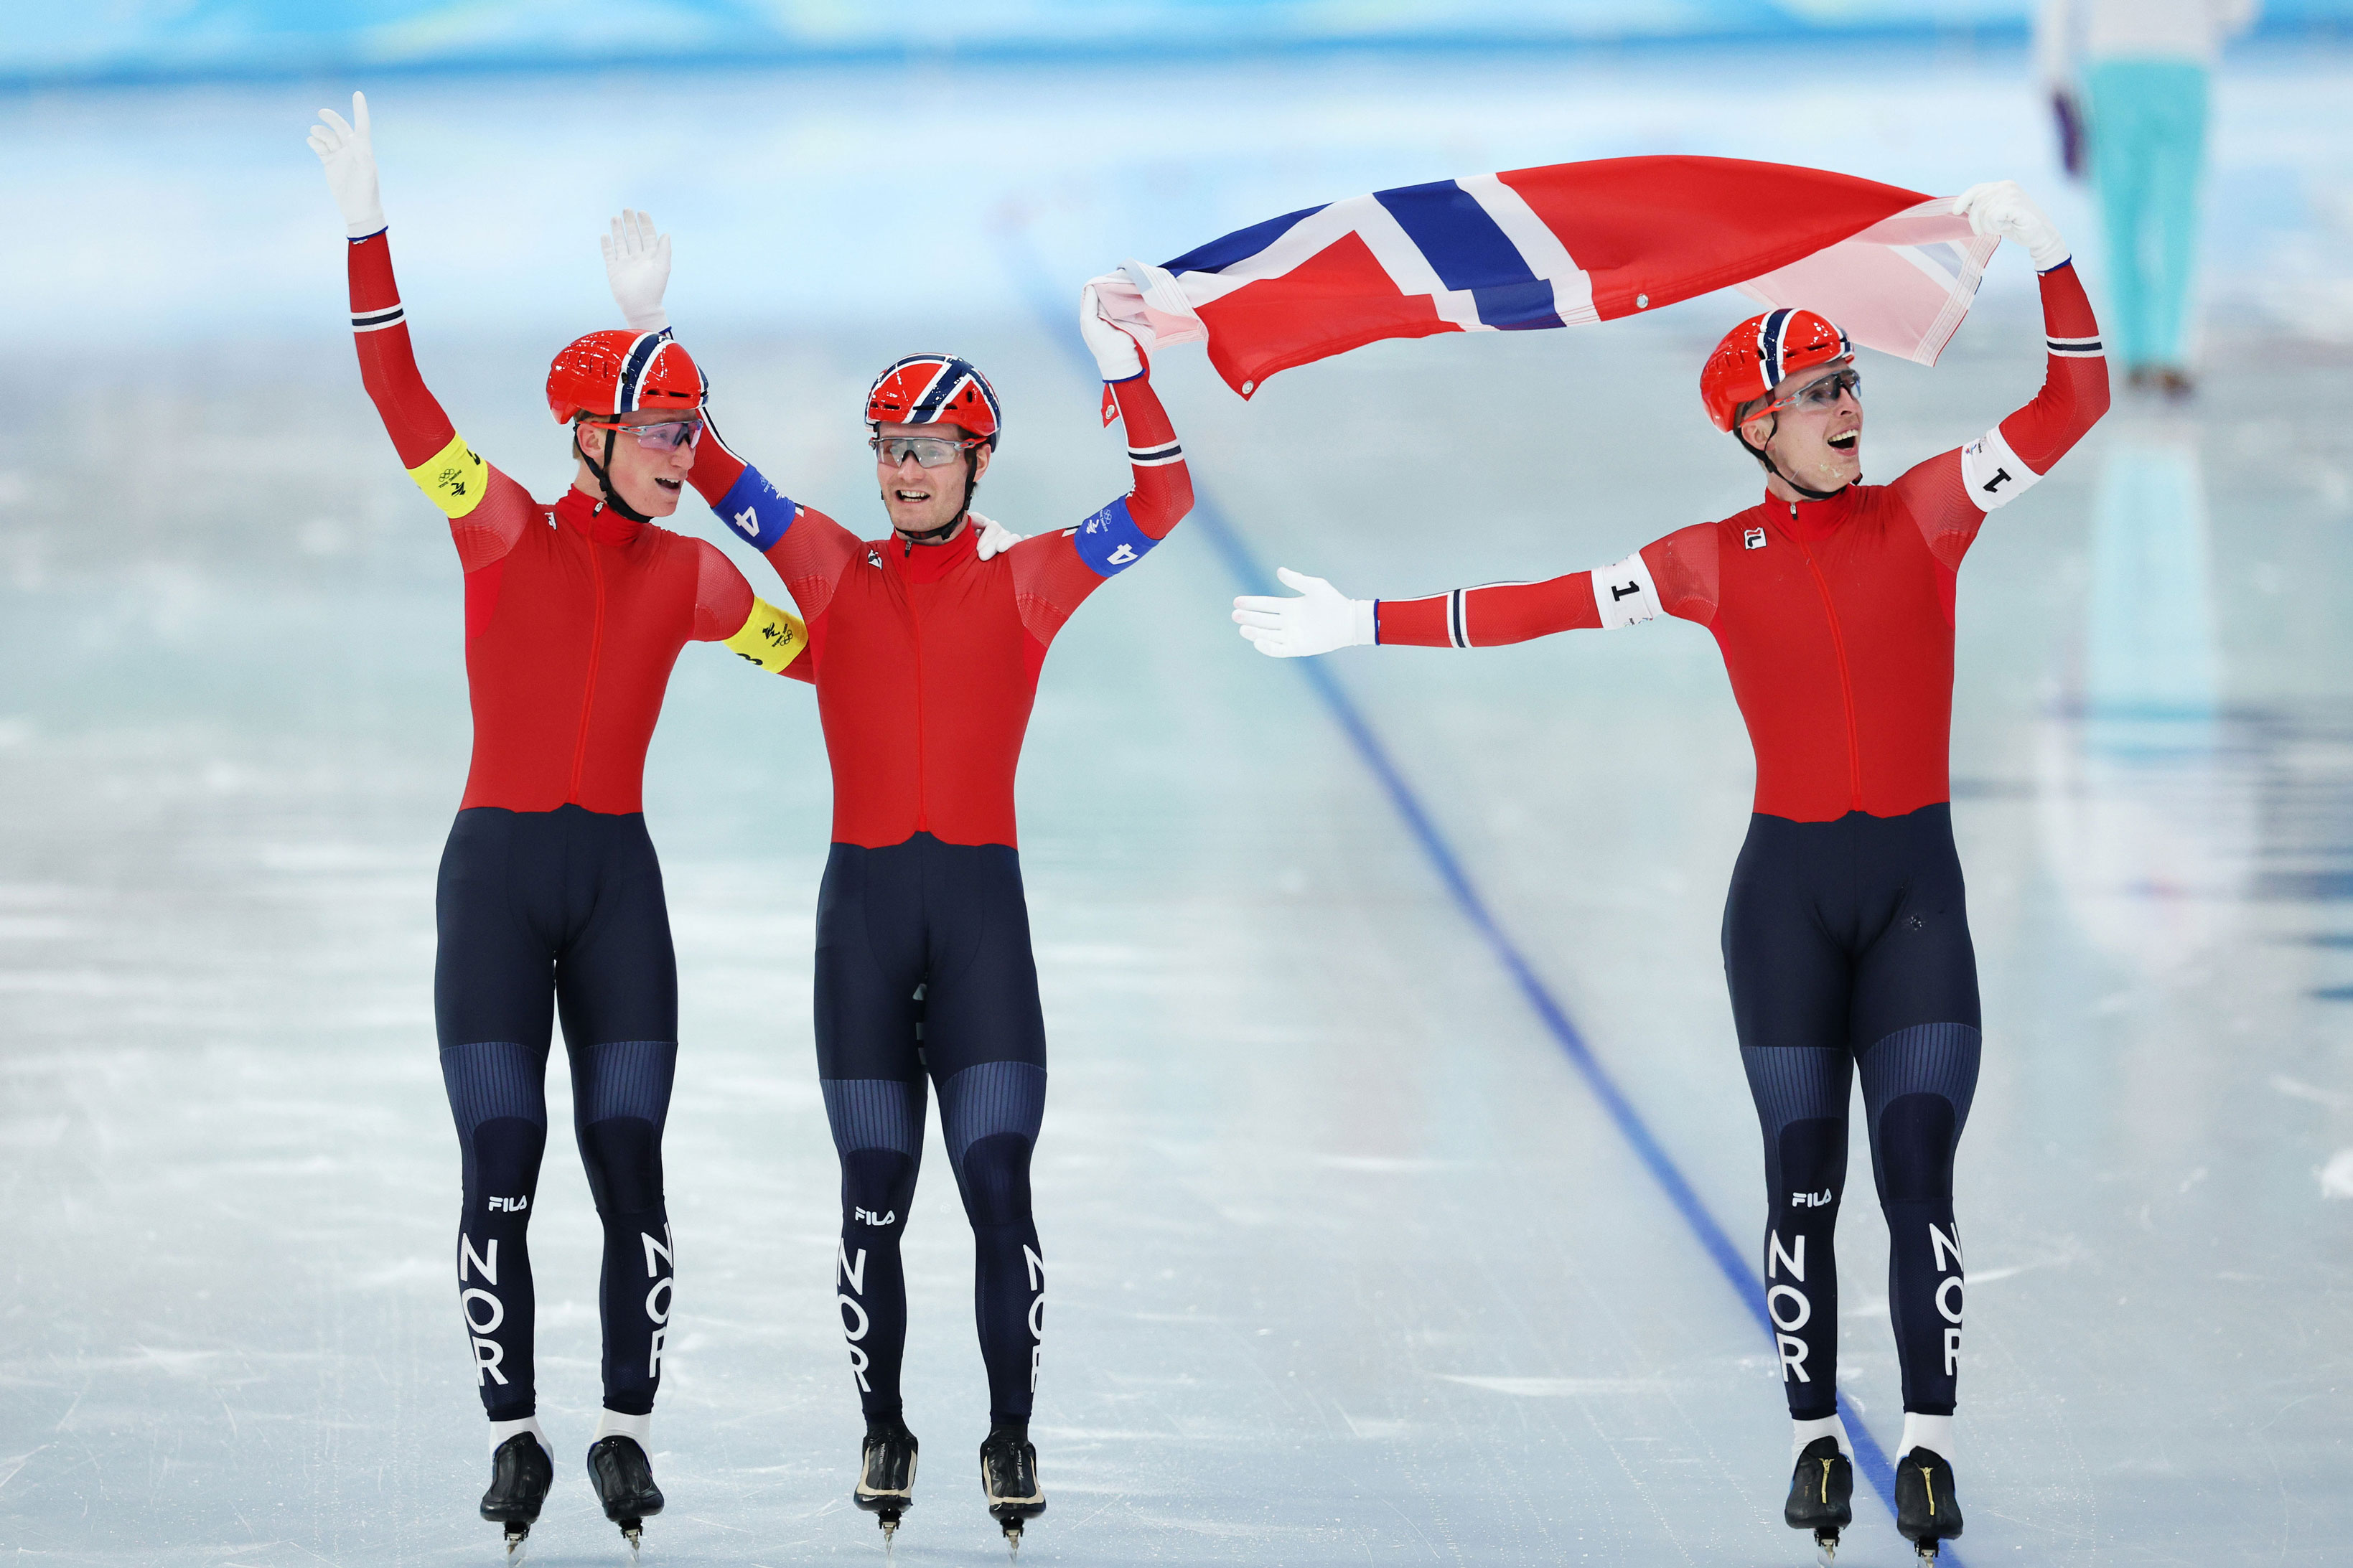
(2130, 77)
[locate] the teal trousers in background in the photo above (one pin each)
(2149, 150)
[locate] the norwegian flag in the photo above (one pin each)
(1556, 246)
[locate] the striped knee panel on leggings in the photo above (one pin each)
(501, 1109)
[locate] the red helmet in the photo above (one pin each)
(1755, 355)
(621, 373)
(928, 389)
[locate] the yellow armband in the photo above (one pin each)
(771, 638)
(453, 479)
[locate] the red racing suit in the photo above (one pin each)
(926, 662)
(1845, 935)
(926, 657)
(574, 613)
(1835, 617)
(549, 895)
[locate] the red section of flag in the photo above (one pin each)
(1664, 230)
(1337, 299)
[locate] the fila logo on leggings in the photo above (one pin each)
(853, 1276)
(1037, 1268)
(1785, 1330)
(488, 1351)
(659, 1261)
(1948, 1294)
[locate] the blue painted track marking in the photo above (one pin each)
(1210, 519)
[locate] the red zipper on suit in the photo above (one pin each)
(596, 655)
(1846, 676)
(915, 628)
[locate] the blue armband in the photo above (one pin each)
(1109, 542)
(755, 509)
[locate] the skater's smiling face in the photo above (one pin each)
(1811, 427)
(922, 498)
(652, 451)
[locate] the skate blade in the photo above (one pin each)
(1826, 1545)
(1013, 1540)
(1927, 1549)
(633, 1533)
(518, 1544)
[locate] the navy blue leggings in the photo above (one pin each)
(542, 914)
(924, 968)
(1847, 947)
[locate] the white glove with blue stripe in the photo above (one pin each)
(2000, 207)
(1115, 352)
(1319, 620)
(349, 153)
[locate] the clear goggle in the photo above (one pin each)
(929, 451)
(667, 436)
(1821, 393)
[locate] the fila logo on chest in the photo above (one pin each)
(1753, 538)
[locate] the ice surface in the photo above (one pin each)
(1348, 1266)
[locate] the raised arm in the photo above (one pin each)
(808, 548)
(1054, 572)
(1675, 575)
(637, 265)
(487, 510)
(1950, 494)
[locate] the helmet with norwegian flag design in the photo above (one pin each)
(620, 372)
(935, 389)
(1755, 355)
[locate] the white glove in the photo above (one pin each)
(1321, 619)
(1999, 207)
(995, 537)
(637, 264)
(350, 157)
(1115, 351)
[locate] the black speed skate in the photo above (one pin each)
(521, 1473)
(1926, 1511)
(1820, 1495)
(623, 1480)
(886, 1475)
(1008, 1476)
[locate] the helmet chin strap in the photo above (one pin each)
(613, 500)
(1774, 468)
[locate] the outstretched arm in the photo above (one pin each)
(1054, 573)
(487, 510)
(1950, 494)
(637, 266)
(1676, 575)
(808, 548)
